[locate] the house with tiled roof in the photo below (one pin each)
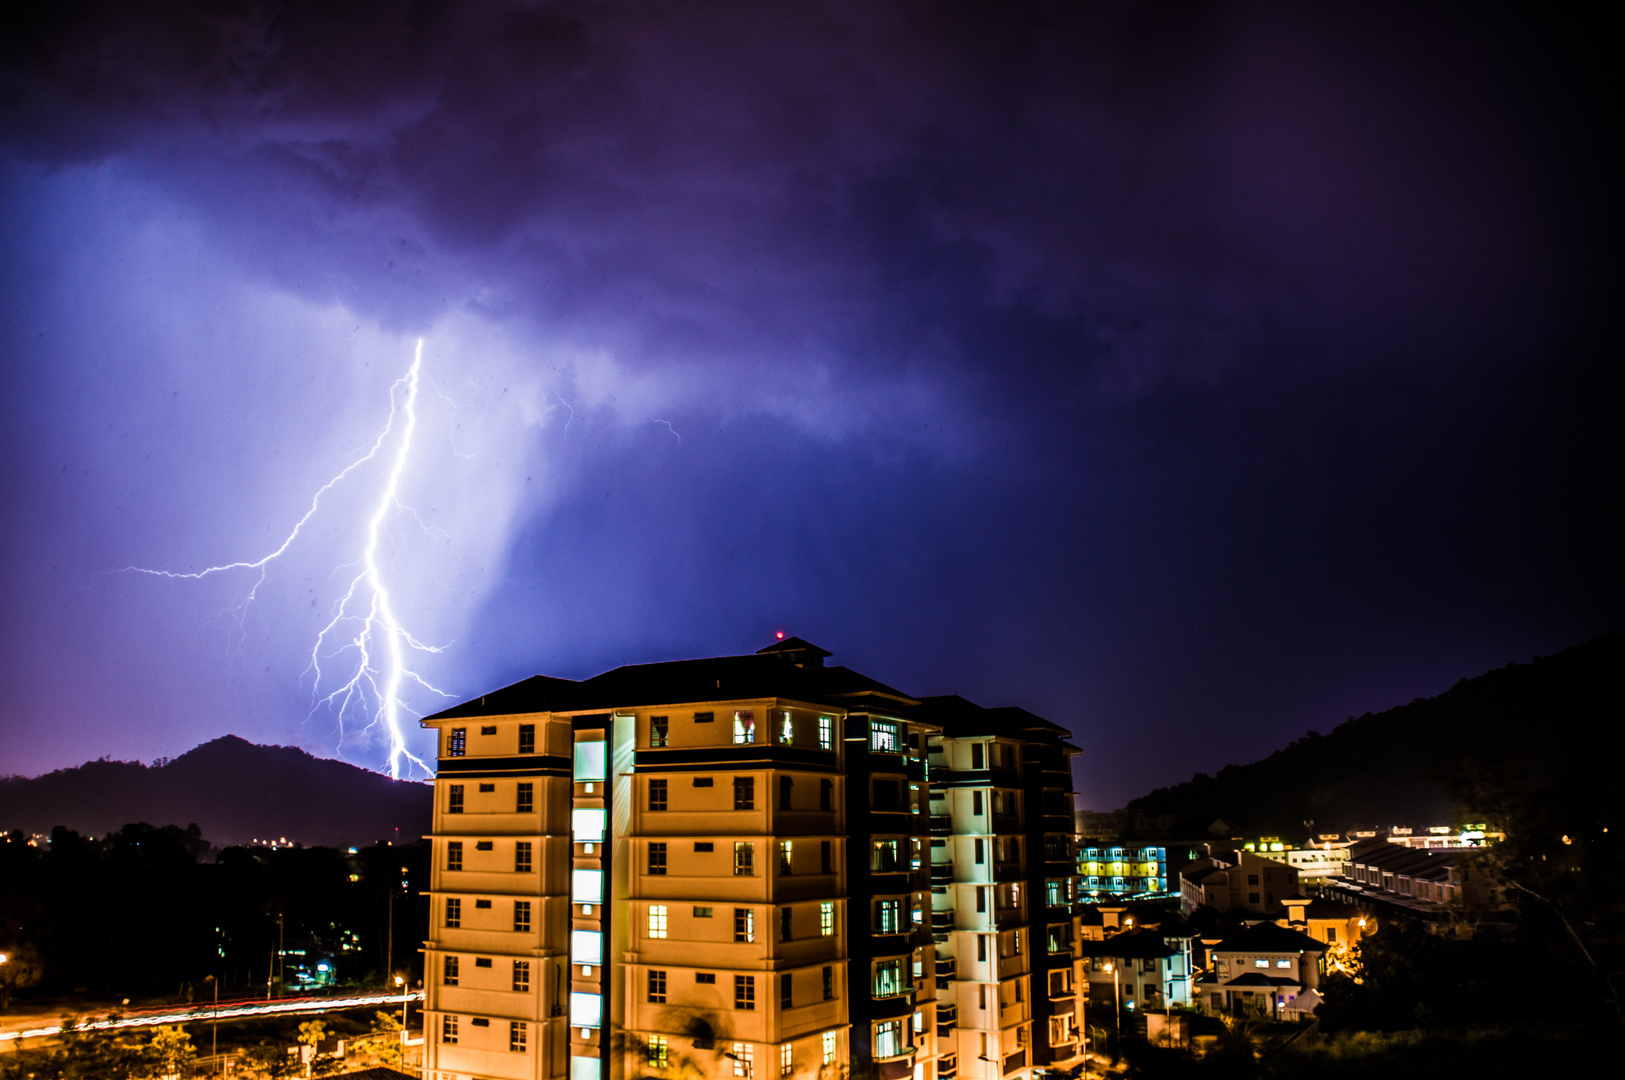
(1260, 970)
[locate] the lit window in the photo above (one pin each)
(586, 947)
(744, 858)
(457, 742)
(521, 976)
(448, 1030)
(587, 825)
(587, 886)
(888, 979)
(586, 1010)
(784, 857)
(829, 1048)
(787, 1060)
(889, 1039)
(521, 916)
(657, 920)
(659, 731)
(744, 924)
(919, 1022)
(888, 917)
(743, 1058)
(591, 760)
(883, 858)
(659, 1052)
(745, 726)
(1261, 962)
(1283, 963)
(787, 729)
(826, 918)
(883, 737)
(826, 733)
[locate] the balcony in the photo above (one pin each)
(942, 873)
(942, 920)
(947, 1067)
(947, 967)
(1017, 1060)
(942, 823)
(947, 1017)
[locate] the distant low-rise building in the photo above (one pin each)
(1422, 881)
(1260, 971)
(1236, 881)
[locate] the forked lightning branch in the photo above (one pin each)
(359, 665)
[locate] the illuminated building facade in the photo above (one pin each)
(719, 867)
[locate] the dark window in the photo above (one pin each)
(745, 992)
(521, 916)
(744, 793)
(449, 969)
(981, 946)
(1252, 898)
(517, 1036)
(525, 798)
(1252, 879)
(786, 991)
(482, 904)
(657, 794)
(482, 961)
(481, 1021)
(702, 781)
(829, 984)
(704, 717)
(702, 912)
(484, 845)
(826, 794)
(486, 789)
(454, 913)
(521, 975)
(657, 858)
(976, 756)
(824, 857)
(981, 898)
(456, 795)
(979, 850)
(885, 795)
(705, 977)
(657, 987)
(454, 855)
(488, 729)
(448, 1030)
(976, 802)
(784, 925)
(457, 742)
(1331, 935)
(659, 731)
(785, 784)
(1015, 849)
(527, 738)
(704, 845)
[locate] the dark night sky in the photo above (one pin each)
(1192, 375)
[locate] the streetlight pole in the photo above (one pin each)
(1117, 995)
(400, 985)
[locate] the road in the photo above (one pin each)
(13, 1029)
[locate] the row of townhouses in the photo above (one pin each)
(750, 866)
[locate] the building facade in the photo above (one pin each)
(729, 867)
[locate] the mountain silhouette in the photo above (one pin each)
(235, 790)
(1544, 724)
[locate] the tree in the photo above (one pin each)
(172, 1048)
(20, 968)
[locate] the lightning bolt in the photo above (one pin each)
(364, 625)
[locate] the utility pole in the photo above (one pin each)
(281, 951)
(389, 937)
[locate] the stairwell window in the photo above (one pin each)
(524, 798)
(521, 916)
(450, 967)
(457, 742)
(454, 913)
(454, 794)
(454, 855)
(521, 976)
(744, 858)
(745, 726)
(521, 857)
(527, 738)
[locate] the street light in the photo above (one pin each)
(1117, 994)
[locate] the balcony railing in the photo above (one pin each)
(947, 967)
(942, 823)
(942, 873)
(1017, 1060)
(947, 1066)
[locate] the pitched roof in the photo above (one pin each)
(960, 718)
(1133, 945)
(1269, 937)
(1258, 978)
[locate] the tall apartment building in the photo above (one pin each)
(728, 867)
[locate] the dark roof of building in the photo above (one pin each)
(1091, 916)
(1321, 908)
(1398, 859)
(1202, 873)
(959, 718)
(1131, 945)
(1270, 938)
(377, 1073)
(794, 646)
(677, 682)
(1258, 978)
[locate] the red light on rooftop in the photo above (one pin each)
(779, 635)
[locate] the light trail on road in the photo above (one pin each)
(226, 1010)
